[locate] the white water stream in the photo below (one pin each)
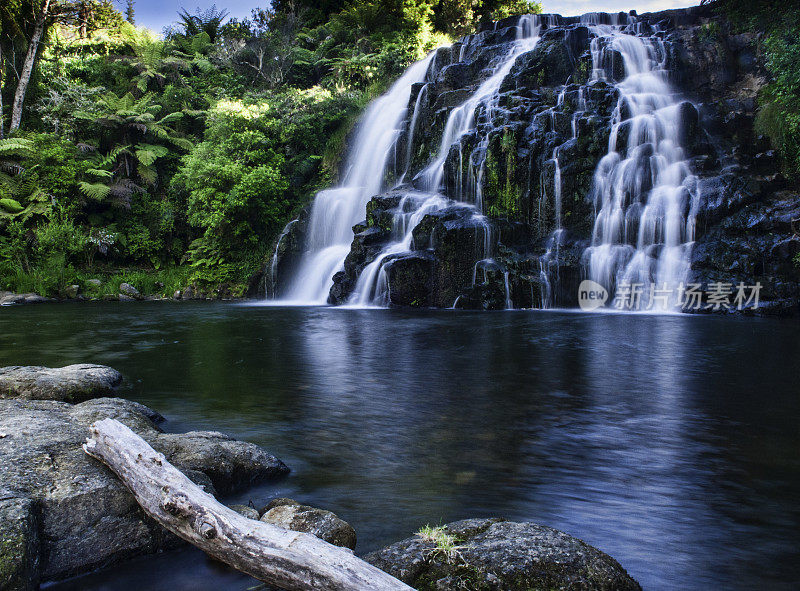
(644, 192)
(372, 286)
(335, 211)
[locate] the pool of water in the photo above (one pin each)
(670, 442)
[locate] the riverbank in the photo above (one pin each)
(128, 293)
(95, 291)
(175, 282)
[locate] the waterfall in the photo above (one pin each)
(644, 192)
(372, 286)
(335, 211)
(272, 289)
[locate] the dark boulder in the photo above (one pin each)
(230, 464)
(19, 543)
(491, 554)
(246, 511)
(88, 518)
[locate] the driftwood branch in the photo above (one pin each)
(287, 559)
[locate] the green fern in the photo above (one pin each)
(20, 195)
(11, 205)
(16, 147)
(95, 191)
(131, 126)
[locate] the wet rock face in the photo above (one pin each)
(87, 517)
(551, 62)
(756, 243)
(493, 554)
(73, 383)
(276, 275)
(410, 280)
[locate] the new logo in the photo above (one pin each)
(591, 295)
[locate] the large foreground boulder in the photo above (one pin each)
(73, 383)
(493, 554)
(87, 517)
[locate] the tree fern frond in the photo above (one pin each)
(182, 143)
(95, 191)
(100, 173)
(176, 116)
(11, 205)
(148, 174)
(146, 157)
(13, 146)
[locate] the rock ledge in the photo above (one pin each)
(73, 383)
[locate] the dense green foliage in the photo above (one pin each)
(177, 160)
(779, 112)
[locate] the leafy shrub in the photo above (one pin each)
(260, 160)
(779, 116)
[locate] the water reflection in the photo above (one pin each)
(669, 442)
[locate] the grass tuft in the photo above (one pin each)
(447, 545)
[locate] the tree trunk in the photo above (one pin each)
(27, 68)
(291, 560)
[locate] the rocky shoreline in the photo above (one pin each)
(127, 293)
(63, 513)
(781, 308)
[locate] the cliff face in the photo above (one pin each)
(531, 159)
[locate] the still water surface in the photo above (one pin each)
(671, 442)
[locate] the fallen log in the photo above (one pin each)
(287, 559)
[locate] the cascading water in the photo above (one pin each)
(372, 286)
(462, 119)
(644, 192)
(336, 210)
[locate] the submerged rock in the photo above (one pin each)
(485, 554)
(73, 383)
(88, 518)
(290, 514)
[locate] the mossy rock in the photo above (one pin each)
(19, 544)
(494, 554)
